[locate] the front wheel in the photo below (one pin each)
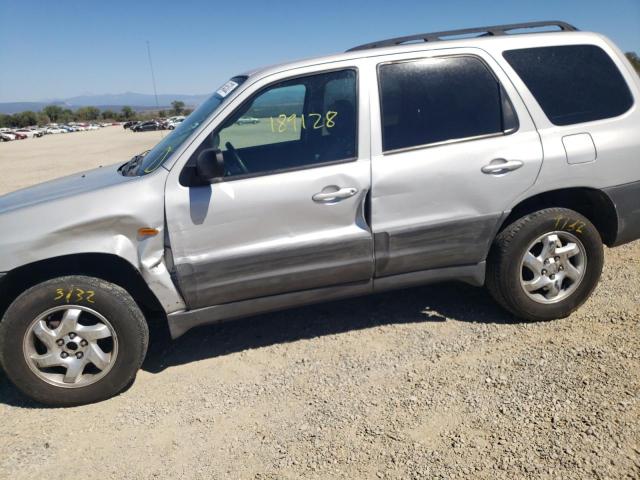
(546, 264)
(73, 340)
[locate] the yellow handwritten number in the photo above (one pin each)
(80, 295)
(330, 116)
(316, 124)
(282, 123)
(292, 118)
(576, 226)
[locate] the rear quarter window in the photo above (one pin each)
(572, 83)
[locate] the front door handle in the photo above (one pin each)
(500, 165)
(333, 194)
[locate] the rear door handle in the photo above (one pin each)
(500, 165)
(333, 194)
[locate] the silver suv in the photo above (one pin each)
(498, 158)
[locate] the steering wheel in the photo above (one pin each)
(231, 149)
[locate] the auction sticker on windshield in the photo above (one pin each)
(227, 88)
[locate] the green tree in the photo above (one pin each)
(53, 112)
(635, 60)
(25, 119)
(67, 116)
(127, 112)
(177, 107)
(5, 120)
(109, 115)
(162, 113)
(87, 113)
(42, 119)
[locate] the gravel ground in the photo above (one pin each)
(433, 382)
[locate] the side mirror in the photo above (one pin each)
(210, 165)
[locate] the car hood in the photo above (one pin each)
(64, 187)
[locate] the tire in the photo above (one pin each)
(80, 324)
(567, 279)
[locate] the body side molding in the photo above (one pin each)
(181, 322)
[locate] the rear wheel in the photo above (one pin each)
(73, 340)
(546, 264)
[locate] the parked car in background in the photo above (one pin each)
(23, 131)
(147, 126)
(54, 130)
(20, 135)
(7, 136)
(172, 124)
(129, 124)
(37, 132)
(248, 121)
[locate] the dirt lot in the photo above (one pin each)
(433, 382)
(34, 160)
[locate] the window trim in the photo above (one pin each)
(453, 140)
(261, 90)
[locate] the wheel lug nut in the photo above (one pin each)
(79, 355)
(83, 343)
(64, 354)
(60, 342)
(561, 268)
(552, 277)
(546, 261)
(557, 259)
(72, 335)
(544, 272)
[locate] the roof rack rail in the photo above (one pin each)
(484, 31)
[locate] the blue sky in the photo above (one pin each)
(62, 48)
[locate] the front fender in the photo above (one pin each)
(104, 221)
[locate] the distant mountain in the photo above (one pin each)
(131, 98)
(138, 101)
(15, 107)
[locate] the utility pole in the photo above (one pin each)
(153, 80)
(153, 77)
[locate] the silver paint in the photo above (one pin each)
(266, 236)
(98, 211)
(181, 322)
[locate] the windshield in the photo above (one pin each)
(150, 161)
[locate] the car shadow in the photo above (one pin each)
(435, 303)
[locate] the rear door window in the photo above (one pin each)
(433, 100)
(572, 83)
